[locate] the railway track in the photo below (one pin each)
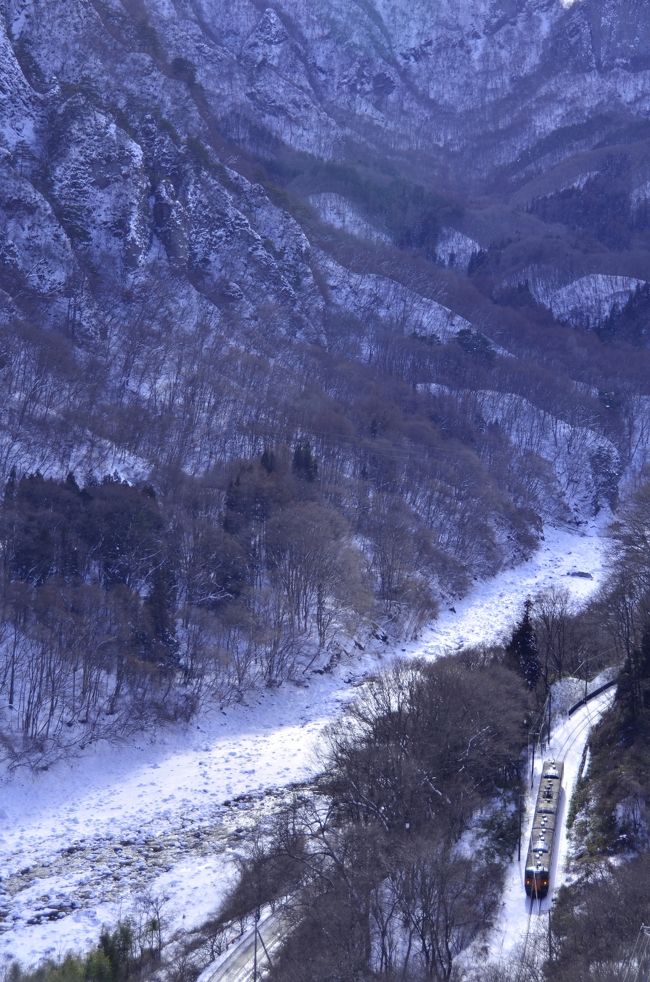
(525, 940)
(584, 724)
(530, 903)
(595, 712)
(237, 965)
(243, 961)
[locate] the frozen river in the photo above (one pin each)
(79, 842)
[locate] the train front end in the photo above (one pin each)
(545, 818)
(536, 883)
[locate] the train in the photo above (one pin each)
(545, 822)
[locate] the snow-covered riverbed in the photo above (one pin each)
(78, 842)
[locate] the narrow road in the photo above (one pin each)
(237, 964)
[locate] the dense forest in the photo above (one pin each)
(290, 503)
(359, 497)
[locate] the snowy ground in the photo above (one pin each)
(79, 842)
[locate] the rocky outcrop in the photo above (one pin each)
(168, 151)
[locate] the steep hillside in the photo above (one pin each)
(377, 267)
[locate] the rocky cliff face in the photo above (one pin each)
(269, 170)
(100, 99)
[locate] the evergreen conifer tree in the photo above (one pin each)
(522, 648)
(304, 463)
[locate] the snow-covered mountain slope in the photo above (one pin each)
(411, 75)
(454, 248)
(292, 269)
(579, 458)
(371, 296)
(289, 186)
(123, 120)
(362, 256)
(341, 214)
(586, 301)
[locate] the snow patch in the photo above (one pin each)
(454, 248)
(585, 302)
(338, 212)
(640, 195)
(369, 295)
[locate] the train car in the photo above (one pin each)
(545, 820)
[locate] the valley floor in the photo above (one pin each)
(166, 816)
